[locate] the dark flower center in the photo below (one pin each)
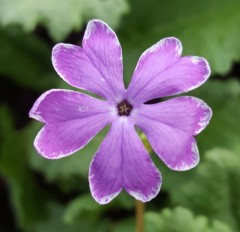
(124, 108)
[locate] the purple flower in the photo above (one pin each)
(72, 118)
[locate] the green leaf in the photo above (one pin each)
(25, 194)
(173, 220)
(124, 225)
(208, 28)
(77, 208)
(211, 189)
(55, 222)
(25, 59)
(60, 16)
(181, 220)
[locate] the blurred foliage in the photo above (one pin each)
(53, 195)
(25, 59)
(25, 192)
(224, 99)
(181, 220)
(206, 28)
(212, 188)
(60, 17)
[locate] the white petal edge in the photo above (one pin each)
(196, 60)
(143, 198)
(159, 44)
(105, 199)
(58, 155)
(54, 61)
(32, 112)
(183, 167)
(91, 26)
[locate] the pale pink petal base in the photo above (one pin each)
(123, 162)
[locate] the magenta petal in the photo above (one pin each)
(71, 120)
(123, 162)
(58, 105)
(141, 178)
(175, 147)
(188, 114)
(97, 67)
(162, 72)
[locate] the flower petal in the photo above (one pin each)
(188, 114)
(72, 119)
(176, 148)
(141, 178)
(58, 105)
(122, 161)
(97, 67)
(162, 72)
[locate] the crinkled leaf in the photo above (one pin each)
(208, 28)
(211, 189)
(60, 16)
(174, 220)
(181, 220)
(77, 208)
(55, 222)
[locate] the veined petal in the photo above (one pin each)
(97, 67)
(162, 72)
(141, 178)
(123, 162)
(175, 147)
(188, 114)
(71, 120)
(58, 105)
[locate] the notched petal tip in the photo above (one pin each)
(206, 117)
(203, 63)
(100, 198)
(189, 164)
(33, 113)
(146, 198)
(105, 199)
(97, 24)
(44, 152)
(172, 42)
(40, 149)
(203, 109)
(58, 51)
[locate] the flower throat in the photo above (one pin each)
(124, 108)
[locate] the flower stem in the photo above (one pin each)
(139, 216)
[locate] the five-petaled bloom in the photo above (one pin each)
(72, 118)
